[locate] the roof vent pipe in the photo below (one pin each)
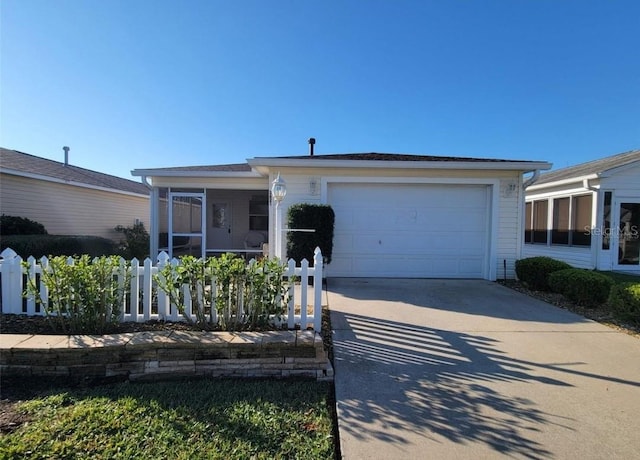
(312, 142)
(66, 155)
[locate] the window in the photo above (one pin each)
(560, 229)
(581, 220)
(606, 220)
(570, 221)
(259, 212)
(536, 222)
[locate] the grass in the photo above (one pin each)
(196, 419)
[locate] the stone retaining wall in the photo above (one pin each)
(166, 354)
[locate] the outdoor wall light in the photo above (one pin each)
(279, 189)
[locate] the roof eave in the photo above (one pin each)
(263, 164)
(195, 173)
(561, 182)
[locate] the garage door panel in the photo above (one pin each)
(409, 230)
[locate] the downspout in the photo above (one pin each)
(585, 184)
(532, 179)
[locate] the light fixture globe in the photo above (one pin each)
(279, 189)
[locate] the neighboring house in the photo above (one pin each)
(587, 215)
(396, 215)
(67, 199)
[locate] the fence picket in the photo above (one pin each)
(142, 300)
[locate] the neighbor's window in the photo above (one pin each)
(528, 223)
(535, 225)
(540, 221)
(571, 224)
(560, 229)
(606, 220)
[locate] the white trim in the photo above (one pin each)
(13, 172)
(493, 219)
(577, 179)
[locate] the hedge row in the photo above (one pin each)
(585, 287)
(58, 245)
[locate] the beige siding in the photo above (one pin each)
(70, 210)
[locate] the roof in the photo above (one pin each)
(595, 167)
(13, 161)
(258, 166)
(374, 156)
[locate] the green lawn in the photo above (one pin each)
(198, 419)
(622, 277)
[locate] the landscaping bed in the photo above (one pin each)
(600, 313)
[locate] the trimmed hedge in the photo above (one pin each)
(58, 245)
(584, 287)
(321, 218)
(535, 271)
(624, 301)
(13, 225)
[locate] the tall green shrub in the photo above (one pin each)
(136, 241)
(318, 217)
(584, 287)
(624, 301)
(534, 271)
(84, 295)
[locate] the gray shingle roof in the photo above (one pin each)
(31, 164)
(374, 156)
(590, 167)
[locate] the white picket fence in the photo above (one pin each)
(148, 304)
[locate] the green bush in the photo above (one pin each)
(136, 242)
(83, 296)
(246, 296)
(584, 287)
(58, 245)
(301, 245)
(13, 225)
(624, 301)
(535, 271)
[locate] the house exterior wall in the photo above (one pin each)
(71, 210)
(623, 183)
(504, 205)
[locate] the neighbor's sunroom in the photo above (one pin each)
(208, 210)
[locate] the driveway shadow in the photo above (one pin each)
(430, 383)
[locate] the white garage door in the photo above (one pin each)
(409, 230)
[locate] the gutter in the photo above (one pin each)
(532, 179)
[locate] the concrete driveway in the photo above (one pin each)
(468, 369)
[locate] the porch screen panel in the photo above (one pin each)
(581, 234)
(528, 223)
(560, 229)
(540, 221)
(187, 214)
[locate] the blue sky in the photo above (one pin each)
(152, 83)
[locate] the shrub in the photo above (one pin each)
(624, 301)
(136, 242)
(534, 271)
(83, 296)
(246, 296)
(58, 245)
(581, 286)
(12, 225)
(301, 245)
